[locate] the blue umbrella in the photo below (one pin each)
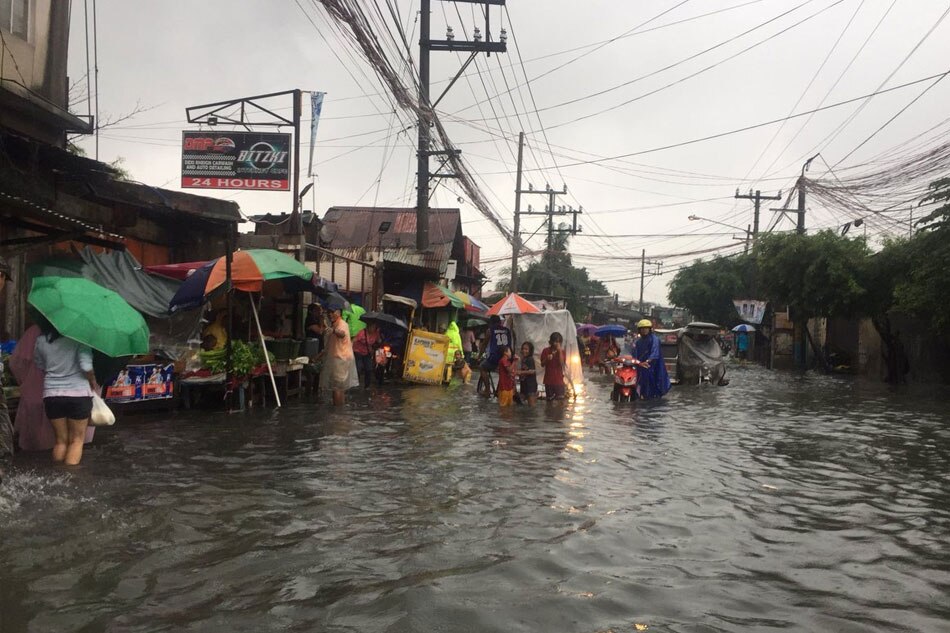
(743, 328)
(611, 330)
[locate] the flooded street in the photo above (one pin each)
(780, 502)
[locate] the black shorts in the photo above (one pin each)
(554, 392)
(71, 407)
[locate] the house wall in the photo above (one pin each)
(35, 68)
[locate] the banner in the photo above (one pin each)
(142, 382)
(235, 160)
(316, 107)
(425, 357)
(750, 310)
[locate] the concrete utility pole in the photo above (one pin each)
(549, 212)
(427, 107)
(800, 225)
(516, 241)
(757, 199)
(643, 273)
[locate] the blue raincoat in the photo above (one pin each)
(655, 381)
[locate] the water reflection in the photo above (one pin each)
(803, 503)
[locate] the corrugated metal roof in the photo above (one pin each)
(354, 232)
(356, 227)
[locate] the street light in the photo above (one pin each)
(747, 230)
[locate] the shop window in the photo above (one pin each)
(15, 17)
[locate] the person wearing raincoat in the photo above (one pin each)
(653, 381)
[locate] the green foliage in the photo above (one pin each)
(939, 219)
(922, 277)
(820, 275)
(707, 288)
(555, 275)
(244, 358)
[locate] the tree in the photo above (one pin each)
(707, 288)
(555, 275)
(818, 275)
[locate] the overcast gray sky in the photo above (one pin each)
(658, 86)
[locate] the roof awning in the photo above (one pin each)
(436, 296)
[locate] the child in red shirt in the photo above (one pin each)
(506, 379)
(552, 360)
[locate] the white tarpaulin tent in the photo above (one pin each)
(537, 328)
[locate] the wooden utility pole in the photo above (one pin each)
(426, 107)
(756, 199)
(516, 241)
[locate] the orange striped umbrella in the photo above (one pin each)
(513, 304)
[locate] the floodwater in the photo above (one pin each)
(781, 502)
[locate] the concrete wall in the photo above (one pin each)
(34, 68)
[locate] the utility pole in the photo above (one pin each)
(643, 274)
(516, 241)
(550, 210)
(427, 107)
(800, 225)
(756, 199)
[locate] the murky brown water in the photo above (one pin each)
(779, 502)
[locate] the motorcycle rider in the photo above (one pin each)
(653, 379)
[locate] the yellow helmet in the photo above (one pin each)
(644, 323)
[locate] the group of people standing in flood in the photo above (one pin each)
(522, 369)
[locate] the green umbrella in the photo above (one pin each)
(90, 314)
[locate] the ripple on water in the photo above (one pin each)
(781, 502)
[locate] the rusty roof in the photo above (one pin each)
(354, 232)
(357, 227)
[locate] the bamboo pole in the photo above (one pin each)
(260, 333)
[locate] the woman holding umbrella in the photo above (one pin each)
(68, 388)
(76, 316)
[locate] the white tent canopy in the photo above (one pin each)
(537, 328)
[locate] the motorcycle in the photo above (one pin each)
(625, 379)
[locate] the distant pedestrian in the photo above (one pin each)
(364, 350)
(468, 344)
(339, 369)
(68, 388)
(552, 360)
(528, 374)
(742, 345)
(506, 379)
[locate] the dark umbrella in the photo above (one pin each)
(336, 301)
(382, 317)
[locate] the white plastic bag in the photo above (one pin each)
(101, 413)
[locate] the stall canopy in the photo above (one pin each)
(436, 296)
(120, 272)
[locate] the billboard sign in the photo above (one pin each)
(235, 160)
